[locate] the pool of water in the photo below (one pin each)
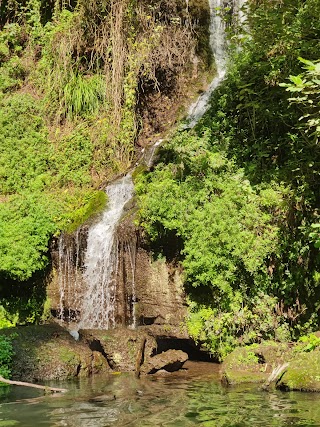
(190, 398)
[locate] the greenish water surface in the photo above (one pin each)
(190, 398)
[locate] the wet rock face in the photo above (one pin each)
(147, 291)
(170, 361)
(154, 287)
(65, 281)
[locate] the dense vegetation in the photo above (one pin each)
(236, 200)
(77, 80)
(6, 354)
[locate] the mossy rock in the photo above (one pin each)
(303, 373)
(243, 365)
(120, 346)
(48, 352)
(254, 364)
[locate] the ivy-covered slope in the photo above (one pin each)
(239, 195)
(76, 81)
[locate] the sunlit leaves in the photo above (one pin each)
(305, 88)
(224, 223)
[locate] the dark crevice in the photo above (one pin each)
(261, 358)
(95, 345)
(78, 369)
(194, 351)
(154, 320)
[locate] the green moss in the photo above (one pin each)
(68, 356)
(240, 377)
(139, 170)
(83, 208)
(303, 373)
(254, 363)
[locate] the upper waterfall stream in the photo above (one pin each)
(218, 47)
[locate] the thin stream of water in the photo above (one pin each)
(218, 47)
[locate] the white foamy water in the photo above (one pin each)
(98, 308)
(218, 47)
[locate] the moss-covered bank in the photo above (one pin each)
(50, 352)
(259, 364)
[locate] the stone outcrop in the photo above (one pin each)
(255, 363)
(49, 352)
(120, 346)
(170, 361)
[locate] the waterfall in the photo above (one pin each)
(88, 286)
(98, 308)
(219, 51)
(88, 281)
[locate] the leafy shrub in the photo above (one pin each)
(245, 322)
(44, 188)
(25, 229)
(6, 354)
(24, 153)
(308, 343)
(225, 224)
(6, 320)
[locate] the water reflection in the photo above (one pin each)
(179, 400)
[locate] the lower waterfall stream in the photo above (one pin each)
(101, 260)
(96, 308)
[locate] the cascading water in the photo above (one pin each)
(97, 282)
(218, 47)
(69, 276)
(101, 259)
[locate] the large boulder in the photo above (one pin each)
(254, 363)
(303, 372)
(49, 352)
(283, 366)
(170, 361)
(121, 346)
